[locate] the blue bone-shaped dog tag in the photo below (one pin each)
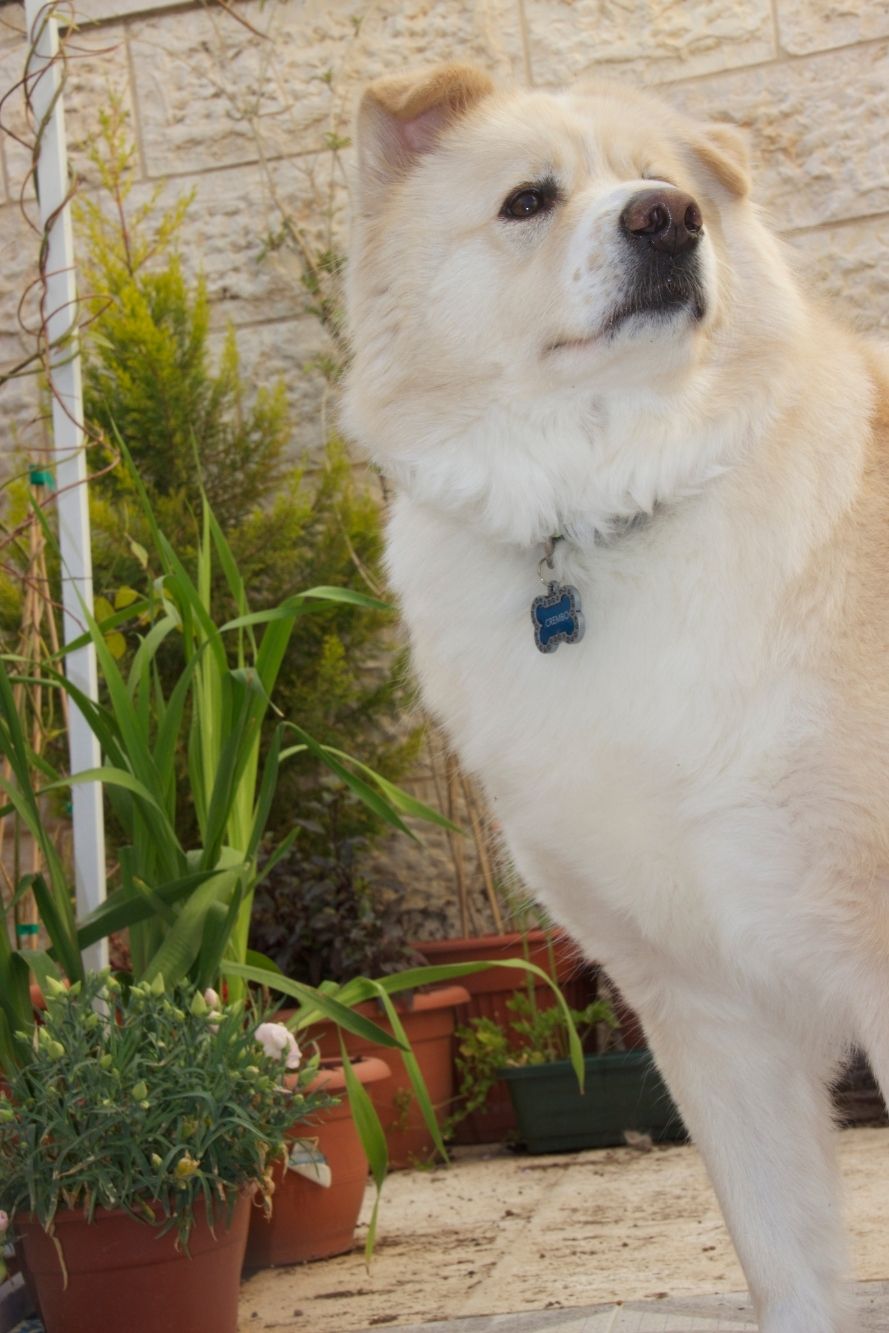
(557, 617)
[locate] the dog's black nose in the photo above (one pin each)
(666, 219)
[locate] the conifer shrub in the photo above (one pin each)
(191, 423)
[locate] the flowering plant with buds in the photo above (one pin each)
(149, 1100)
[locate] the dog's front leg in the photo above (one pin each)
(754, 1100)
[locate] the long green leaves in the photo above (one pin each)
(337, 1003)
(188, 907)
(373, 1140)
(320, 1003)
(52, 890)
(24, 799)
(383, 797)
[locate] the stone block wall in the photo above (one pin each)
(240, 104)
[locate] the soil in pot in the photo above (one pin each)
(310, 1220)
(123, 1275)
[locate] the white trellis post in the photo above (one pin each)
(44, 81)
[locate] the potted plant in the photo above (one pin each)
(319, 1184)
(389, 999)
(622, 1089)
(186, 904)
(425, 1022)
(492, 1118)
(319, 917)
(139, 1131)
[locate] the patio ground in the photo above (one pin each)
(594, 1242)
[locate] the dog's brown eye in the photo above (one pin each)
(523, 205)
(529, 200)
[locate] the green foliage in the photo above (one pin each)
(186, 907)
(188, 425)
(320, 919)
(482, 1051)
(535, 1035)
(194, 427)
(52, 890)
(187, 902)
(185, 887)
(145, 1100)
(382, 990)
(14, 567)
(538, 1034)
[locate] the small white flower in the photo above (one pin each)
(212, 998)
(276, 1040)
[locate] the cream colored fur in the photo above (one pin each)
(699, 790)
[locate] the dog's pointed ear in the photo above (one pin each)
(402, 116)
(725, 152)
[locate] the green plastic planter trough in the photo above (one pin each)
(623, 1091)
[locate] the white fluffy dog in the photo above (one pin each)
(574, 337)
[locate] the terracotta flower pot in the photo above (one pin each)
(309, 1221)
(429, 1020)
(122, 1274)
(490, 992)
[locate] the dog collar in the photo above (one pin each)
(557, 615)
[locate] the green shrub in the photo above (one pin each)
(535, 1034)
(190, 422)
(320, 919)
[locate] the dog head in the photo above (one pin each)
(545, 257)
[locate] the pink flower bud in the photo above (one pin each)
(212, 998)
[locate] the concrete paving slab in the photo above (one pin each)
(701, 1314)
(517, 1244)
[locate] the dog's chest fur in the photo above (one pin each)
(648, 768)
